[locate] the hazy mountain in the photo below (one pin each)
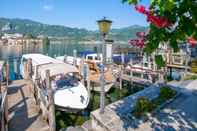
(26, 26)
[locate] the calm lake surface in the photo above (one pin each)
(55, 48)
(14, 52)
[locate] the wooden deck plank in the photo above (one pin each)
(23, 112)
(136, 79)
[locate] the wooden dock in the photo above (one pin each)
(23, 112)
(138, 80)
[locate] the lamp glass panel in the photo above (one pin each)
(104, 27)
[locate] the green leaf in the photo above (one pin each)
(169, 5)
(174, 45)
(195, 35)
(159, 61)
(183, 13)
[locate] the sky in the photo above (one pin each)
(74, 13)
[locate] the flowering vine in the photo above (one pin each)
(158, 21)
(192, 41)
(139, 42)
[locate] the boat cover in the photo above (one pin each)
(56, 69)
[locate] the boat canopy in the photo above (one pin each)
(39, 59)
(56, 69)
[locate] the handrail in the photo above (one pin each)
(4, 112)
(46, 101)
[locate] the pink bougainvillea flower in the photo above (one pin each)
(137, 42)
(140, 34)
(158, 21)
(192, 41)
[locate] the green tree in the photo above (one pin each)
(46, 44)
(46, 41)
(183, 16)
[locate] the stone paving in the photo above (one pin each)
(179, 115)
(117, 116)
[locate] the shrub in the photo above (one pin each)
(190, 77)
(166, 93)
(168, 78)
(143, 105)
(159, 61)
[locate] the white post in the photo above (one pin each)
(65, 58)
(122, 58)
(75, 57)
(55, 56)
(109, 52)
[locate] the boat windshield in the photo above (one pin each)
(67, 81)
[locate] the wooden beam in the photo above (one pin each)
(7, 73)
(51, 108)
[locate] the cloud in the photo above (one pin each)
(48, 7)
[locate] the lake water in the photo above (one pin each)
(14, 52)
(54, 48)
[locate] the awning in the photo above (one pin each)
(56, 69)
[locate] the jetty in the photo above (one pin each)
(137, 80)
(21, 107)
(24, 113)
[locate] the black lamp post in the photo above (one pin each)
(104, 27)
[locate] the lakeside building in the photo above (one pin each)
(12, 36)
(17, 39)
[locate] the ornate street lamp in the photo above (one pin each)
(104, 27)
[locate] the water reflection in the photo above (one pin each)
(12, 53)
(55, 48)
(15, 51)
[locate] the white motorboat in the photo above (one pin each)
(93, 71)
(71, 59)
(69, 93)
(37, 60)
